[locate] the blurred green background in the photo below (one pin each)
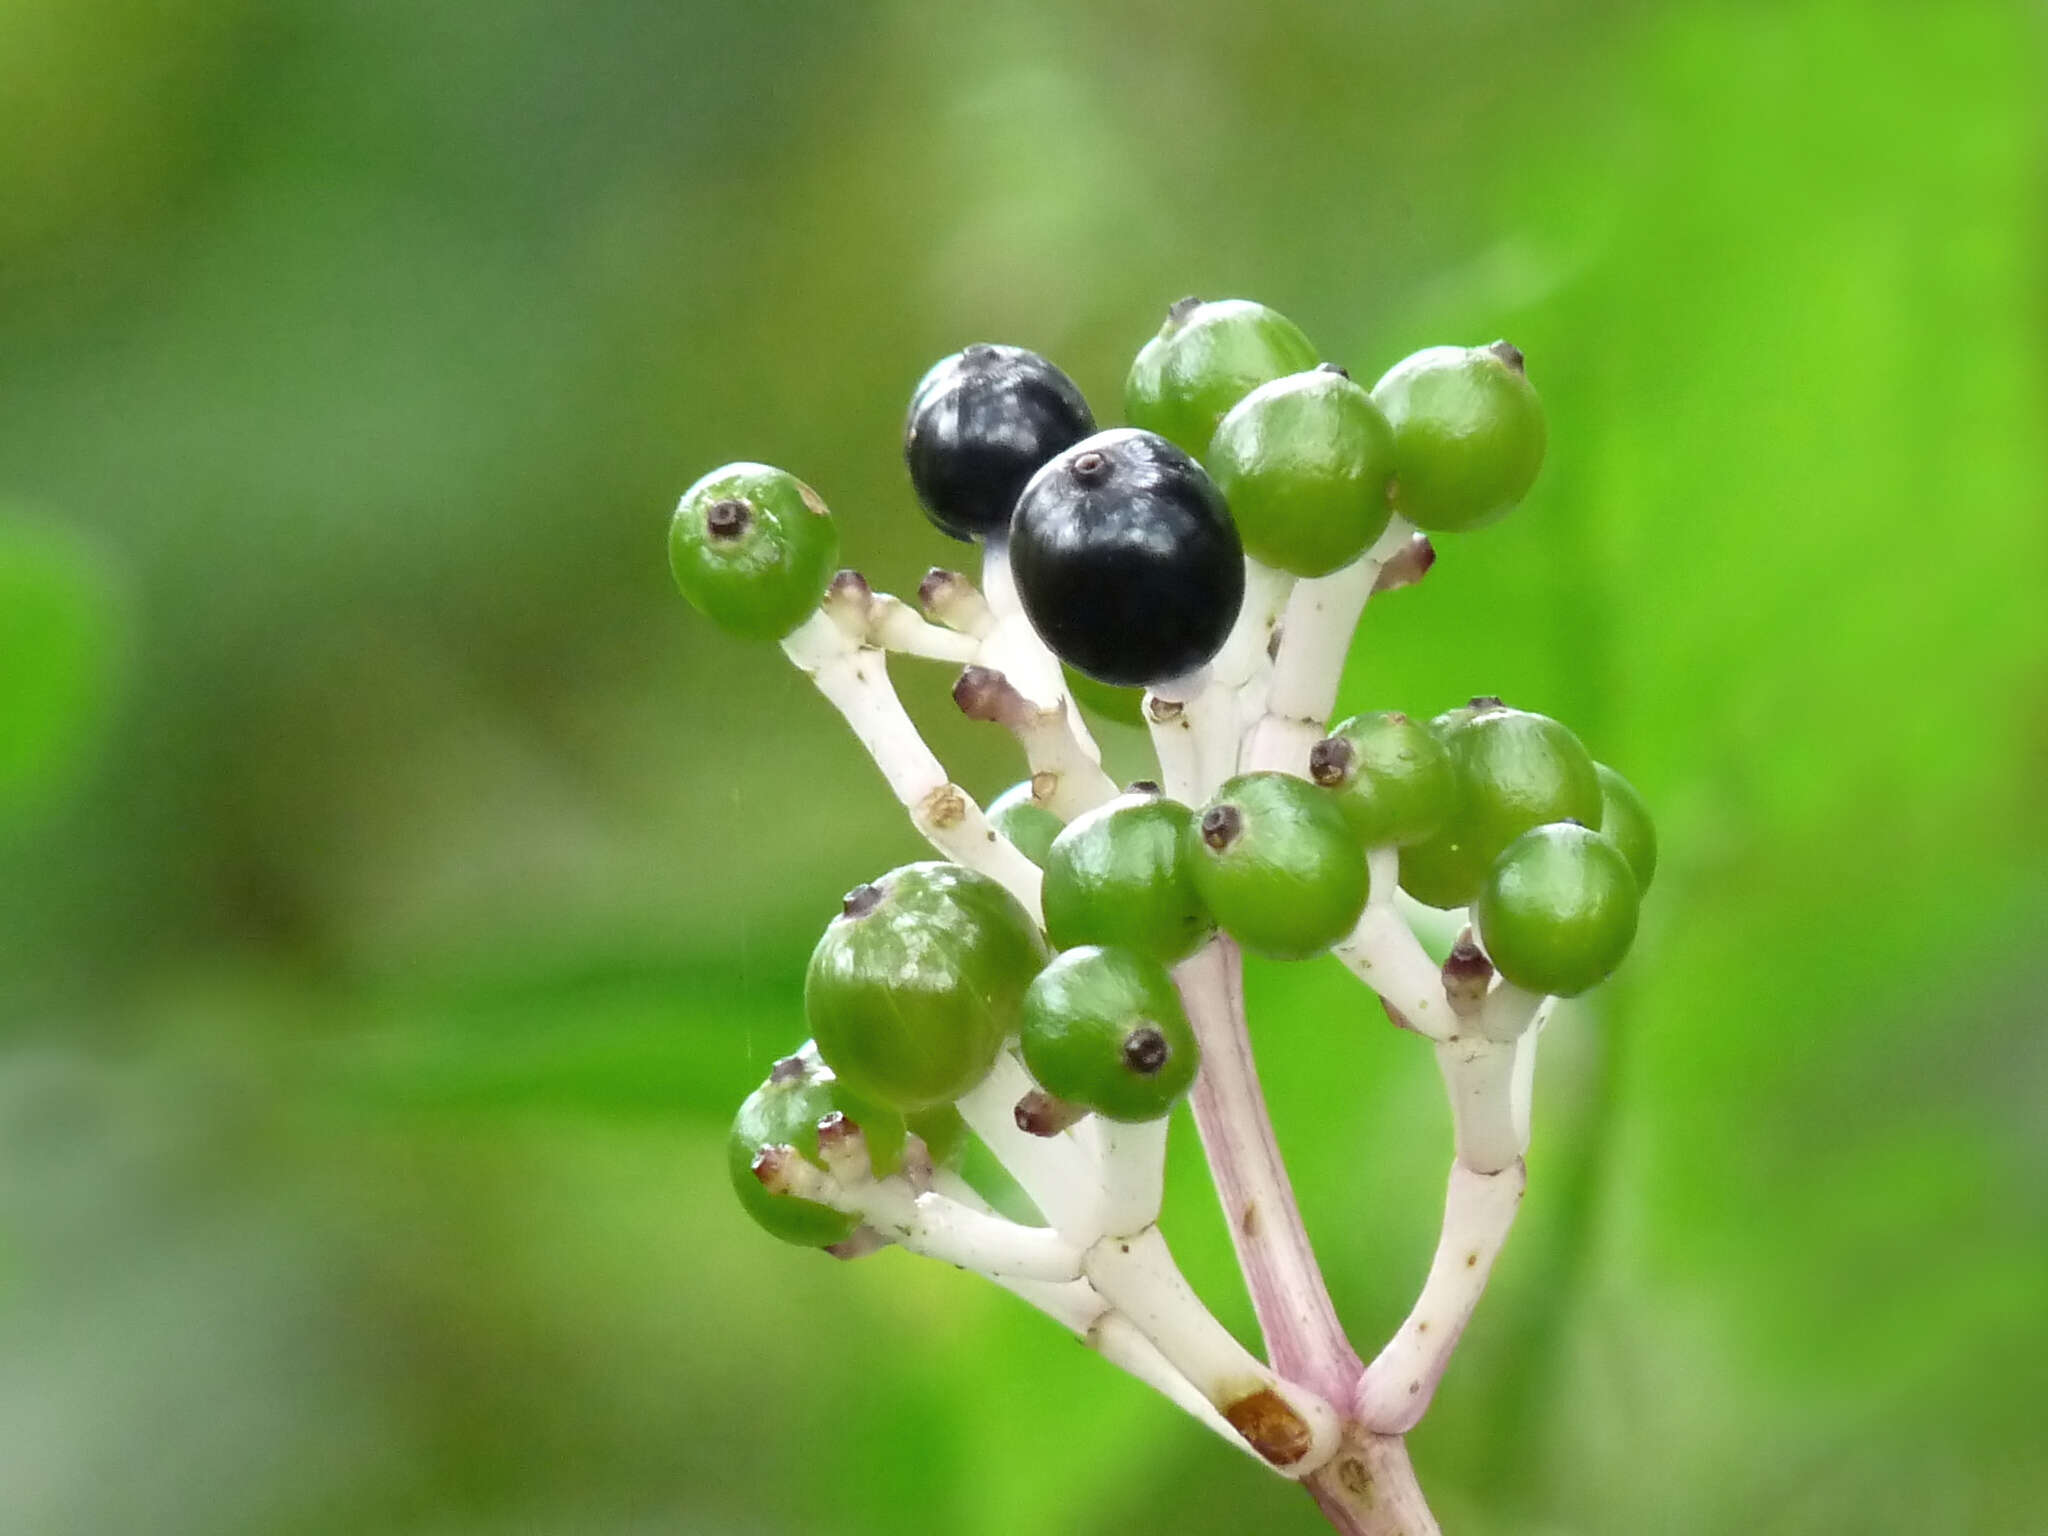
(402, 886)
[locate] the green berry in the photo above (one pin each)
(1515, 770)
(785, 1111)
(1625, 822)
(943, 1133)
(1558, 909)
(1205, 359)
(1277, 865)
(1106, 701)
(1120, 874)
(918, 982)
(1104, 1029)
(752, 548)
(1468, 434)
(1025, 822)
(1389, 775)
(1304, 463)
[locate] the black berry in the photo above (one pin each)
(981, 423)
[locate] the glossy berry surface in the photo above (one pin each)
(1305, 464)
(1105, 1029)
(1389, 775)
(981, 422)
(1120, 874)
(1025, 822)
(1205, 359)
(1625, 822)
(1469, 435)
(1278, 866)
(917, 983)
(752, 547)
(1126, 560)
(785, 1111)
(1515, 770)
(1558, 909)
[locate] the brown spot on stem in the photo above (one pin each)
(1163, 711)
(944, 807)
(1467, 974)
(1248, 1223)
(728, 519)
(1038, 1113)
(849, 586)
(1357, 1481)
(1408, 565)
(1471, 1261)
(938, 588)
(1270, 1427)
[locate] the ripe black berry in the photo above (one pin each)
(1126, 559)
(981, 423)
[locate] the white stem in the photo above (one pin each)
(1065, 779)
(855, 680)
(1056, 1172)
(1479, 1080)
(1012, 647)
(895, 627)
(1383, 952)
(1291, 1428)
(1315, 639)
(1508, 1011)
(1522, 1092)
(1174, 743)
(1133, 1174)
(1479, 1208)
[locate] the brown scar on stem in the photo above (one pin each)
(945, 806)
(1248, 1223)
(1270, 1427)
(1352, 1473)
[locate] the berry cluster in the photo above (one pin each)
(1068, 972)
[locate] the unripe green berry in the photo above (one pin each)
(1557, 911)
(1469, 434)
(1105, 1029)
(1025, 822)
(1106, 701)
(1277, 865)
(1304, 463)
(1205, 359)
(785, 1111)
(917, 983)
(752, 548)
(1625, 822)
(1389, 775)
(1120, 874)
(1515, 770)
(943, 1133)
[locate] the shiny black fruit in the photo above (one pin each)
(981, 423)
(1126, 559)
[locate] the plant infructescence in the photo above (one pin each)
(1070, 968)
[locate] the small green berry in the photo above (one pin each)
(1389, 775)
(1105, 1029)
(1625, 822)
(1304, 463)
(1515, 770)
(1205, 359)
(943, 1133)
(917, 983)
(1120, 874)
(1106, 701)
(1558, 909)
(1278, 866)
(785, 1111)
(1468, 434)
(752, 548)
(1025, 822)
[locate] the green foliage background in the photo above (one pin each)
(401, 886)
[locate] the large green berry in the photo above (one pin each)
(1104, 1029)
(1389, 775)
(1304, 463)
(1515, 770)
(1205, 359)
(752, 548)
(785, 1111)
(1025, 822)
(1558, 909)
(1468, 434)
(1625, 822)
(918, 982)
(1121, 874)
(1278, 866)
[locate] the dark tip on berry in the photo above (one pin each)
(1090, 468)
(1038, 1113)
(1143, 787)
(1573, 821)
(728, 519)
(1178, 311)
(860, 901)
(1337, 368)
(1397, 717)
(1510, 354)
(1329, 761)
(1487, 701)
(981, 353)
(790, 1069)
(849, 584)
(1221, 825)
(1146, 1050)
